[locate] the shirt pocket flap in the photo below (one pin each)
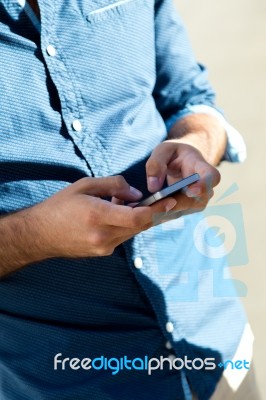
(114, 10)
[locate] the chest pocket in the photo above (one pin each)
(103, 11)
(120, 50)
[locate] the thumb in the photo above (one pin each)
(156, 166)
(107, 186)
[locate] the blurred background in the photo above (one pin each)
(230, 38)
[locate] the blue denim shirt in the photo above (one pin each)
(92, 95)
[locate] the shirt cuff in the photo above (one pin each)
(236, 150)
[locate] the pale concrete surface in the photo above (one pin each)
(230, 37)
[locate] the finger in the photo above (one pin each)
(120, 235)
(203, 187)
(203, 198)
(183, 202)
(209, 177)
(164, 205)
(108, 186)
(175, 215)
(186, 203)
(107, 213)
(156, 166)
(133, 204)
(117, 201)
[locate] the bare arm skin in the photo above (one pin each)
(75, 222)
(204, 132)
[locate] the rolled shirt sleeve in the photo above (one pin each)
(182, 86)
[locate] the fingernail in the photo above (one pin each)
(153, 183)
(170, 204)
(193, 192)
(135, 192)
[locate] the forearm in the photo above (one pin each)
(204, 132)
(20, 241)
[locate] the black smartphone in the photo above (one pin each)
(169, 190)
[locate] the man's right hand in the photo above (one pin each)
(75, 222)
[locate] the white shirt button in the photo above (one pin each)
(168, 345)
(169, 327)
(138, 262)
(51, 50)
(76, 125)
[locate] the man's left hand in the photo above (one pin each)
(173, 161)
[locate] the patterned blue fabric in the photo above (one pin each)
(124, 71)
